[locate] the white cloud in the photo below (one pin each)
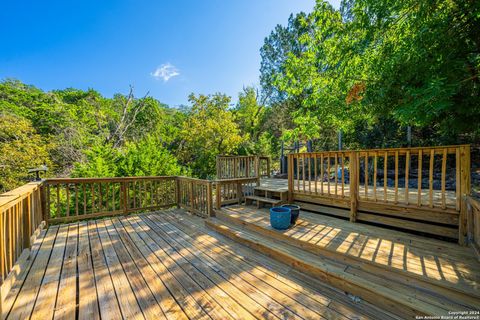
(165, 72)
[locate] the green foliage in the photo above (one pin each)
(21, 148)
(208, 130)
(379, 63)
(145, 158)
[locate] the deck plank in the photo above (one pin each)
(47, 296)
(65, 306)
(162, 267)
(251, 304)
(87, 289)
(209, 288)
(22, 275)
(108, 304)
(125, 294)
(145, 298)
(170, 307)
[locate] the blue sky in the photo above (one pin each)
(167, 48)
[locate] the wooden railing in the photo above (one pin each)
(195, 195)
(20, 222)
(84, 198)
(232, 167)
(264, 167)
(410, 183)
(230, 191)
(473, 218)
(75, 199)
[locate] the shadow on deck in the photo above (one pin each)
(164, 265)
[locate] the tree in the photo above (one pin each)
(21, 148)
(392, 62)
(209, 130)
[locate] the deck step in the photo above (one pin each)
(461, 295)
(264, 199)
(394, 296)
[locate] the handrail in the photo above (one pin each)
(73, 199)
(20, 223)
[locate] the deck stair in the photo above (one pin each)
(400, 293)
(267, 194)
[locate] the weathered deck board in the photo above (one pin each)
(164, 265)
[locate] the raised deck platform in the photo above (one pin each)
(409, 274)
(165, 265)
(377, 205)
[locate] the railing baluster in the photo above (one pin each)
(76, 199)
(336, 174)
(419, 174)
(457, 179)
(321, 173)
(309, 174)
(430, 178)
(303, 171)
(444, 172)
(366, 175)
(315, 169)
(343, 174)
(375, 159)
(385, 176)
(396, 177)
(407, 171)
(328, 173)
(67, 188)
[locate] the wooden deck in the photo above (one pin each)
(166, 265)
(439, 274)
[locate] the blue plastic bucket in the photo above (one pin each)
(280, 218)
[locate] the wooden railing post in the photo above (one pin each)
(124, 188)
(43, 202)
(218, 196)
(27, 221)
(465, 190)
(354, 185)
(239, 192)
(177, 191)
(290, 177)
(210, 211)
(268, 167)
(190, 191)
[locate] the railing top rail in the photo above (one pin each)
(238, 156)
(9, 198)
(235, 180)
(195, 179)
(106, 179)
(450, 148)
